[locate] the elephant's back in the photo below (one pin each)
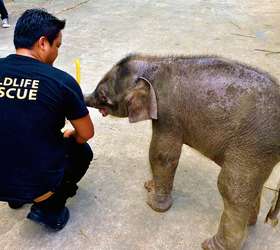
(232, 100)
(225, 83)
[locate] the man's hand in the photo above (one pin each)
(68, 133)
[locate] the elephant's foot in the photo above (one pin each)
(213, 244)
(149, 185)
(158, 202)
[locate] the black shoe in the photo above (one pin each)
(55, 220)
(15, 204)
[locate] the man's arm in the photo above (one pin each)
(83, 129)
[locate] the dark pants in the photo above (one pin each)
(3, 11)
(78, 157)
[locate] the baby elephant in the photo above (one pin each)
(226, 110)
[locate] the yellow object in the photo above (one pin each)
(43, 197)
(78, 70)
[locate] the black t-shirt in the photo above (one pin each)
(35, 99)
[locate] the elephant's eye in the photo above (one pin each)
(103, 99)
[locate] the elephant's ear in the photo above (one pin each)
(141, 101)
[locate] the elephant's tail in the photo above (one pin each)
(275, 208)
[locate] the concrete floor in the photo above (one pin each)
(109, 211)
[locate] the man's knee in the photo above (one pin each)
(80, 152)
(81, 158)
(87, 153)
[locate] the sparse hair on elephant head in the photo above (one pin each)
(125, 92)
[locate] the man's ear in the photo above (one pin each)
(42, 42)
(141, 101)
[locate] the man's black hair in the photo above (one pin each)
(33, 24)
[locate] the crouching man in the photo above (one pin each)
(39, 163)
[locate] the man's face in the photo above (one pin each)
(51, 51)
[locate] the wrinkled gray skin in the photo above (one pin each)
(226, 110)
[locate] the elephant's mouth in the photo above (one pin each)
(103, 111)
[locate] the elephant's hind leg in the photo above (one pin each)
(240, 183)
(255, 211)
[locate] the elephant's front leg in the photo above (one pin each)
(165, 150)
